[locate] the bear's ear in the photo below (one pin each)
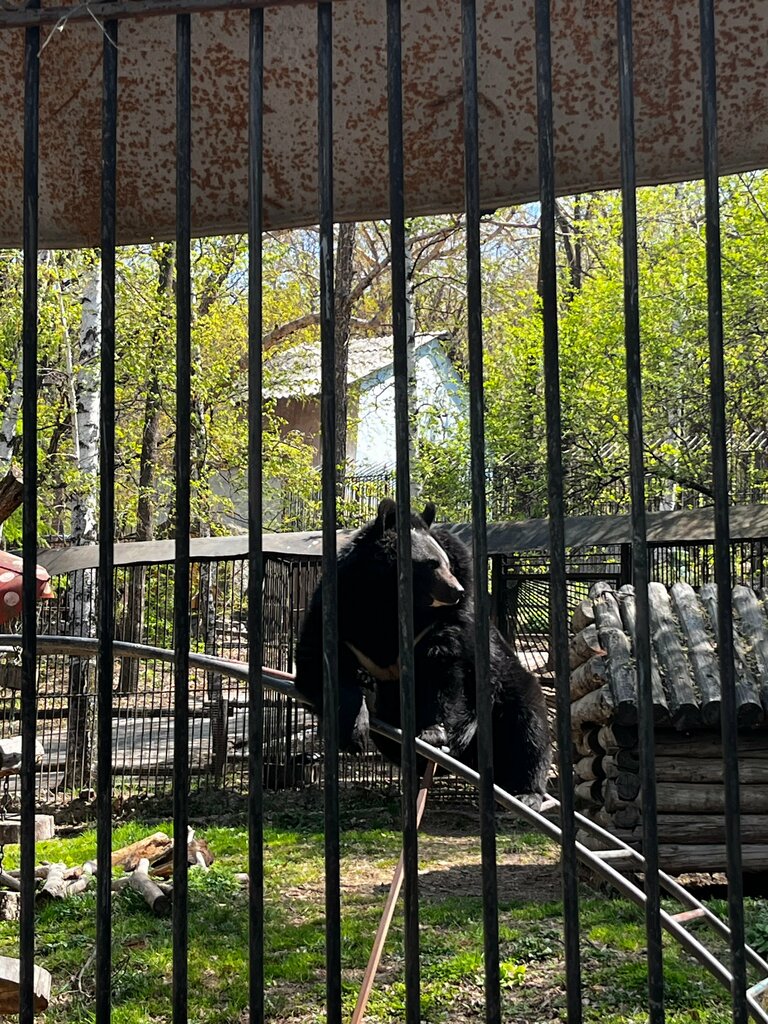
(385, 516)
(429, 513)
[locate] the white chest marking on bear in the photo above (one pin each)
(388, 674)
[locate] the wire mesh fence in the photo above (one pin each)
(143, 690)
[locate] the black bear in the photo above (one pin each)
(444, 663)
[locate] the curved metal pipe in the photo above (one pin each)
(281, 681)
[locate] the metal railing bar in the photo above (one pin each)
(479, 533)
(558, 584)
(722, 526)
(26, 17)
(672, 887)
(182, 454)
(255, 516)
(282, 683)
(330, 609)
(400, 328)
(106, 606)
(642, 643)
(29, 540)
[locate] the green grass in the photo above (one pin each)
(451, 934)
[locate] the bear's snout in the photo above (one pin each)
(446, 589)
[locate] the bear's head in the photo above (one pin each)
(434, 581)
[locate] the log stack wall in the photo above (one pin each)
(686, 709)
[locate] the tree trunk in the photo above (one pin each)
(410, 334)
(344, 277)
(11, 415)
(82, 588)
(133, 623)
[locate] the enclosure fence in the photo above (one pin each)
(34, 20)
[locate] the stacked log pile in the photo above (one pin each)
(685, 682)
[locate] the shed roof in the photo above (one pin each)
(295, 371)
(747, 522)
(667, 100)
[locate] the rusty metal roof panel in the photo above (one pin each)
(585, 73)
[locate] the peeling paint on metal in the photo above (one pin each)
(585, 103)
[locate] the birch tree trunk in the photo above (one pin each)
(344, 301)
(410, 333)
(82, 587)
(11, 416)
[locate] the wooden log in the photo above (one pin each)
(701, 650)
(589, 794)
(749, 709)
(627, 786)
(753, 627)
(10, 984)
(688, 769)
(594, 843)
(56, 885)
(627, 760)
(705, 828)
(609, 766)
(583, 646)
(11, 882)
(10, 751)
(613, 801)
(154, 896)
(81, 883)
(588, 676)
(151, 848)
(595, 708)
(611, 737)
(621, 672)
(676, 858)
(10, 828)
(589, 768)
(585, 743)
(694, 798)
(681, 695)
(708, 745)
(628, 611)
(626, 816)
(583, 616)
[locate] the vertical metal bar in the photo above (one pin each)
(255, 516)
(330, 583)
(479, 539)
(409, 768)
(106, 529)
(557, 575)
(29, 537)
(637, 487)
(182, 560)
(722, 552)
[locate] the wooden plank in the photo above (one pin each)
(681, 695)
(749, 708)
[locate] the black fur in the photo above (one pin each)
(445, 677)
